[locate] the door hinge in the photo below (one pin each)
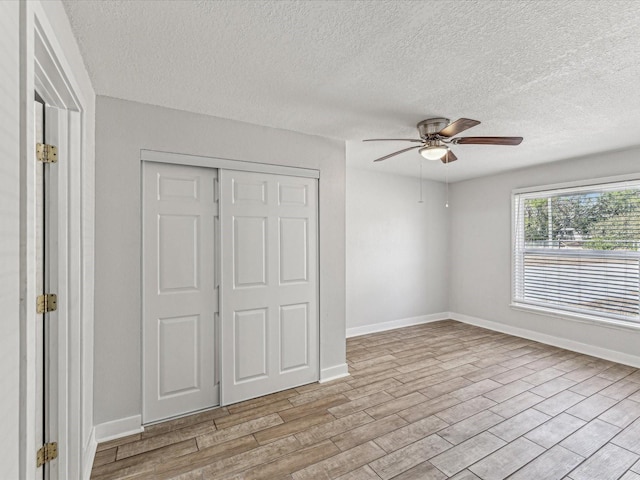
(48, 452)
(47, 303)
(46, 153)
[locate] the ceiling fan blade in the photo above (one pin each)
(392, 140)
(488, 141)
(396, 153)
(449, 157)
(458, 126)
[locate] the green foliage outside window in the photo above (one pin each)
(594, 221)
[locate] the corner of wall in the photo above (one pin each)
(567, 344)
(403, 322)
(118, 428)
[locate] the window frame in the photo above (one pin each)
(548, 310)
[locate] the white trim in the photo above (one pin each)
(515, 216)
(605, 353)
(333, 373)
(518, 246)
(403, 322)
(630, 177)
(51, 63)
(118, 428)
(89, 455)
(226, 164)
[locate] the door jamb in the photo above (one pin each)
(44, 69)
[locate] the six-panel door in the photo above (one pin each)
(179, 290)
(269, 309)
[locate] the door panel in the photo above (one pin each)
(179, 189)
(179, 290)
(294, 250)
(249, 251)
(179, 354)
(269, 309)
(292, 194)
(250, 332)
(249, 192)
(178, 252)
(294, 337)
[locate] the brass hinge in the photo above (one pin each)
(48, 452)
(47, 303)
(46, 153)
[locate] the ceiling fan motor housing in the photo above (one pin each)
(431, 126)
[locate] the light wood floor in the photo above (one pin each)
(441, 400)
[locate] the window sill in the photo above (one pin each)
(578, 317)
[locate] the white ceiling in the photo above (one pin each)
(563, 74)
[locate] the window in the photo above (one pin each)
(577, 250)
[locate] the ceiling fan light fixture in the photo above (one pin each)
(434, 152)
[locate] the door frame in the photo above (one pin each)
(45, 68)
(240, 165)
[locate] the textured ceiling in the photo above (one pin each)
(563, 74)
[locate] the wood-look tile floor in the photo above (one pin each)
(435, 401)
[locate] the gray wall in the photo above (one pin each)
(480, 277)
(122, 129)
(397, 248)
(10, 239)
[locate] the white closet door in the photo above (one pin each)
(269, 309)
(179, 290)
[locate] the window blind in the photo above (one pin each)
(578, 249)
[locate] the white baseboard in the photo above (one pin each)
(593, 350)
(333, 373)
(403, 322)
(118, 428)
(89, 455)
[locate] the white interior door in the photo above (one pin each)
(53, 136)
(269, 308)
(40, 283)
(46, 229)
(179, 290)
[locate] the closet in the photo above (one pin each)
(229, 282)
